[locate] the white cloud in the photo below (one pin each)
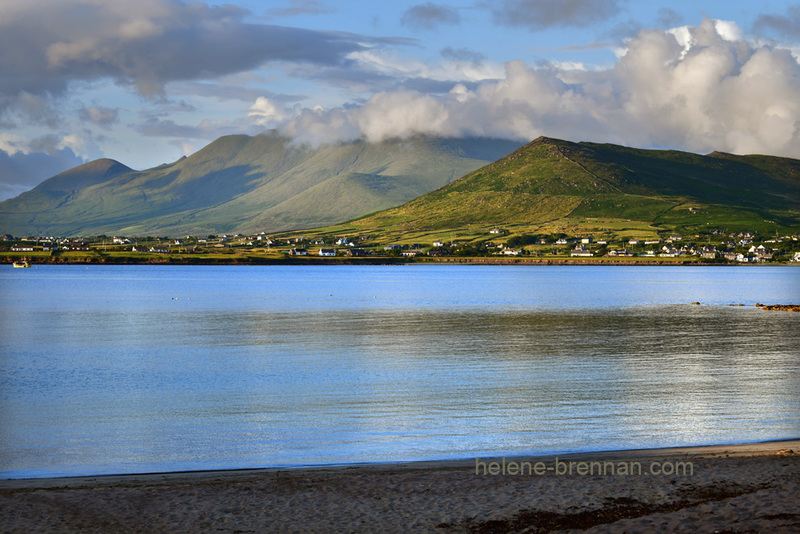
(266, 113)
(697, 88)
(728, 30)
(74, 143)
(11, 144)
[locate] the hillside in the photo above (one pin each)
(244, 184)
(558, 186)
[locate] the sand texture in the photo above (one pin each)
(744, 488)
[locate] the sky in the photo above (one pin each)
(146, 82)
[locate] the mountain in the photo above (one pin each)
(245, 184)
(556, 185)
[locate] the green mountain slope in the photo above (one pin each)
(559, 185)
(245, 184)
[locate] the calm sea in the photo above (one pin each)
(123, 369)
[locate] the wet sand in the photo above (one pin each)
(740, 488)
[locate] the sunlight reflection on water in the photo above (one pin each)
(132, 369)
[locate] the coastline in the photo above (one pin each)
(736, 487)
(256, 260)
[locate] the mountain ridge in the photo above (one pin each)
(557, 184)
(242, 183)
(245, 184)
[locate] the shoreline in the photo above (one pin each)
(258, 261)
(742, 487)
(740, 448)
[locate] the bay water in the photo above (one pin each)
(133, 369)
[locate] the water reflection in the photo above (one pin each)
(250, 381)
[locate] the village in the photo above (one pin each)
(714, 247)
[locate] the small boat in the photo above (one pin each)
(21, 263)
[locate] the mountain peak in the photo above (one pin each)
(542, 140)
(718, 154)
(90, 173)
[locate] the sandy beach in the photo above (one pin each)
(741, 488)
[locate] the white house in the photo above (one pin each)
(668, 252)
(327, 252)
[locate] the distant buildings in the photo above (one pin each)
(411, 253)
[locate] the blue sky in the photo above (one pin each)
(147, 82)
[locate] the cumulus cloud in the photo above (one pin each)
(697, 88)
(428, 16)
(265, 112)
(541, 14)
(147, 43)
